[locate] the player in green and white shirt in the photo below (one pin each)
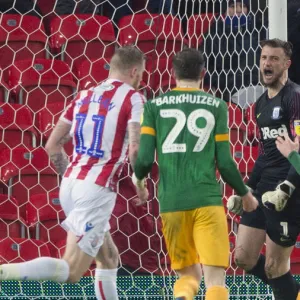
(188, 129)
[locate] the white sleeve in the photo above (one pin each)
(137, 105)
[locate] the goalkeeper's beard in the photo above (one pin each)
(274, 83)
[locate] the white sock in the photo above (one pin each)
(106, 284)
(42, 268)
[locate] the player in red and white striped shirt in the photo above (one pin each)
(99, 150)
(102, 122)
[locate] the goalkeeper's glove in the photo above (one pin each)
(235, 203)
(277, 200)
(139, 183)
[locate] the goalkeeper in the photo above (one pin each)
(274, 181)
(188, 129)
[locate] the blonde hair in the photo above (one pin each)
(126, 58)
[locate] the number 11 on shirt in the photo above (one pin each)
(94, 149)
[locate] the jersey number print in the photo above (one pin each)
(95, 148)
(203, 134)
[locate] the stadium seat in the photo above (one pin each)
(79, 37)
(156, 35)
(295, 258)
(26, 172)
(21, 37)
(197, 27)
(47, 9)
(46, 6)
(16, 126)
(12, 224)
(91, 73)
(41, 82)
(47, 118)
(44, 214)
(237, 127)
(158, 75)
(252, 129)
(15, 250)
(3, 92)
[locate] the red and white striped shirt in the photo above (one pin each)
(99, 119)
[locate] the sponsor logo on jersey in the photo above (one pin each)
(105, 87)
(88, 226)
(297, 127)
(285, 238)
(268, 133)
(276, 113)
(111, 106)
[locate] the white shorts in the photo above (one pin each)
(88, 208)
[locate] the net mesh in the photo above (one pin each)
(52, 49)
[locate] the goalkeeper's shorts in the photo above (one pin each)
(282, 227)
(197, 236)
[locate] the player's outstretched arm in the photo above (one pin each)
(228, 169)
(227, 166)
(232, 176)
(294, 159)
(134, 129)
(145, 157)
(294, 114)
(289, 149)
(143, 166)
(134, 126)
(146, 153)
(55, 146)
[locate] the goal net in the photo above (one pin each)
(49, 51)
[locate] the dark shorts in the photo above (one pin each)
(282, 227)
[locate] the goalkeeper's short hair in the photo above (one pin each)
(188, 64)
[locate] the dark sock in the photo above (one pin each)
(259, 269)
(284, 287)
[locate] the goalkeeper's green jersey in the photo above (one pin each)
(185, 125)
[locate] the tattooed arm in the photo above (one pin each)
(54, 147)
(134, 141)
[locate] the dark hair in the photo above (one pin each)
(188, 64)
(126, 57)
(277, 43)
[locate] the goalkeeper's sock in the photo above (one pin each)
(217, 293)
(106, 284)
(284, 287)
(42, 268)
(259, 269)
(186, 287)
